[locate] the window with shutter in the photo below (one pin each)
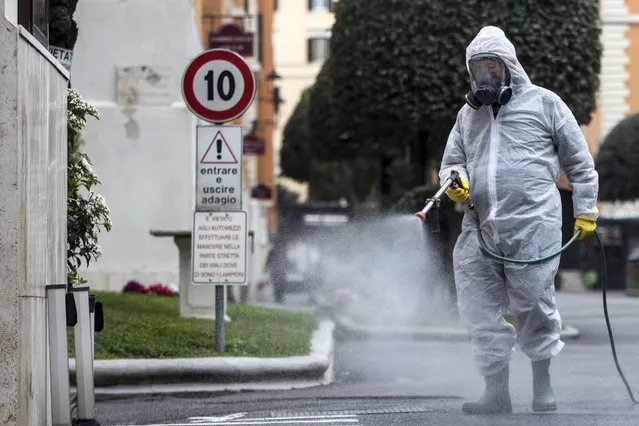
(319, 5)
(318, 49)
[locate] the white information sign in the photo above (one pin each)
(219, 248)
(218, 179)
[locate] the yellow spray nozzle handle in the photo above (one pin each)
(456, 183)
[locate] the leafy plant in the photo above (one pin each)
(286, 200)
(325, 143)
(63, 30)
(294, 156)
(617, 162)
(87, 211)
(328, 180)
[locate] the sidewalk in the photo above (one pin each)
(350, 329)
(137, 377)
(571, 306)
(590, 304)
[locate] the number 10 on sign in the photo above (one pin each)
(224, 91)
(218, 86)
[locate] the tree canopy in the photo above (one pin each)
(63, 30)
(386, 99)
(295, 158)
(617, 162)
(398, 67)
(325, 142)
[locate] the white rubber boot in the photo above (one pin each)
(496, 398)
(543, 396)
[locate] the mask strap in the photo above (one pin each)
(508, 76)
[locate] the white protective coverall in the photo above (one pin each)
(512, 163)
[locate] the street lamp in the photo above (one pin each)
(276, 99)
(273, 75)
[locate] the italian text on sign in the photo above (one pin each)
(218, 178)
(219, 248)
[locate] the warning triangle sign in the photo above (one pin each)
(218, 152)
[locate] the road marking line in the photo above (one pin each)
(276, 422)
(202, 419)
(237, 419)
(317, 417)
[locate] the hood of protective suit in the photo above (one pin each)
(493, 40)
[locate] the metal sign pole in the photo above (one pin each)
(220, 307)
(219, 317)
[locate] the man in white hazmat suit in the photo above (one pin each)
(508, 144)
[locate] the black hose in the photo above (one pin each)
(604, 285)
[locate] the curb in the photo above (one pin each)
(134, 377)
(346, 328)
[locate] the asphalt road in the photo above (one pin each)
(425, 382)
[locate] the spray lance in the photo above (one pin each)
(454, 181)
(451, 181)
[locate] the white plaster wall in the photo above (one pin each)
(10, 10)
(143, 155)
(293, 24)
(33, 220)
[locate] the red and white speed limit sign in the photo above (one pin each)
(218, 86)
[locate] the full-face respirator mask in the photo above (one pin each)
(489, 81)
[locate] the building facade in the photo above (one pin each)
(143, 145)
(619, 93)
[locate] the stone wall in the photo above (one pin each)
(33, 162)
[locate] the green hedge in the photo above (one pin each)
(398, 66)
(295, 158)
(617, 162)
